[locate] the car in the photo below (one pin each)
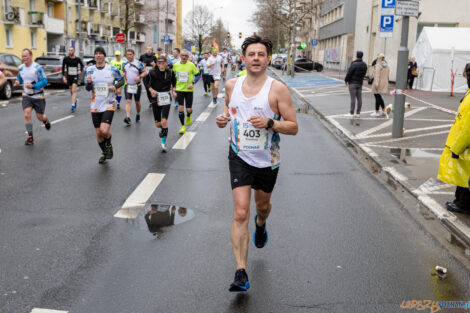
(304, 64)
(9, 64)
(52, 65)
(278, 62)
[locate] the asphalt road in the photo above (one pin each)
(339, 242)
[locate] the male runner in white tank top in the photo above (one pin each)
(254, 105)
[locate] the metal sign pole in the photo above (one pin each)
(402, 73)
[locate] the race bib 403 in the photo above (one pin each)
(251, 138)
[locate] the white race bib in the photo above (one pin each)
(216, 76)
(101, 89)
(206, 71)
(183, 77)
(164, 98)
(27, 90)
(148, 68)
(132, 89)
(73, 71)
(251, 138)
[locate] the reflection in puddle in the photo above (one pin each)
(164, 215)
(402, 154)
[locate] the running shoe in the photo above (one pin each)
(214, 100)
(102, 158)
(29, 141)
(260, 237)
(209, 90)
(163, 148)
(188, 120)
(74, 107)
(137, 118)
(182, 130)
(127, 120)
(109, 152)
(205, 93)
(47, 124)
(240, 283)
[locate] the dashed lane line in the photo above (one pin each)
(136, 201)
(36, 310)
(60, 120)
(184, 141)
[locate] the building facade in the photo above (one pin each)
(50, 26)
(367, 38)
(161, 17)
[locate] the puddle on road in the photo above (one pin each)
(166, 215)
(422, 163)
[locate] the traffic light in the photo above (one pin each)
(228, 35)
(240, 35)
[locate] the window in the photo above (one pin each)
(70, 14)
(34, 44)
(32, 5)
(8, 37)
(50, 9)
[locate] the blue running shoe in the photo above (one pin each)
(240, 283)
(214, 100)
(260, 237)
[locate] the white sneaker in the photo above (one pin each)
(351, 115)
(383, 113)
(357, 115)
(375, 114)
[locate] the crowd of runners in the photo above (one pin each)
(257, 108)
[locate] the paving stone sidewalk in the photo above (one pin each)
(413, 160)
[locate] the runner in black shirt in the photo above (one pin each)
(71, 73)
(149, 60)
(161, 81)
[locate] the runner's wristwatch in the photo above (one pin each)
(270, 123)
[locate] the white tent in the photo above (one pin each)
(434, 51)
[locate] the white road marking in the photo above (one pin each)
(36, 310)
(60, 120)
(337, 125)
(435, 207)
(369, 151)
(411, 137)
(136, 201)
(203, 117)
(387, 123)
(184, 141)
(4, 103)
(407, 131)
(392, 171)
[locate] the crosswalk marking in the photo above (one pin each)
(136, 201)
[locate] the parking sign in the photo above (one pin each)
(388, 4)
(387, 18)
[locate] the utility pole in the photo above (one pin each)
(80, 54)
(402, 71)
(292, 70)
(166, 27)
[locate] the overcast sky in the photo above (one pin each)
(235, 15)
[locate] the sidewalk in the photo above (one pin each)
(411, 161)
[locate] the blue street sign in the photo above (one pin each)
(314, 42)
(386, 23)
(166, 38)
(388, 4)
(155, 33)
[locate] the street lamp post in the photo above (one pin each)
(292, 71)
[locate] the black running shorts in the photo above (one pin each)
(136, 95)
(160, 112)
(72, 80)
(102, 117)
(185, 98)
(243, 174)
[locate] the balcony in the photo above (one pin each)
(140, 20)
(36, 19)
(54, 25)
(56, 1)
(139, 2)
(140, 37)
(12, 16)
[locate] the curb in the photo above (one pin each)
(456, 227)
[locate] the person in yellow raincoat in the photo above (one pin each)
(454, 165)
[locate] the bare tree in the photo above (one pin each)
(198, 25)
(282, 12)
(129, 15)
(219, 32)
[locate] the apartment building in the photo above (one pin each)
(50, 26)
(309, 26)
(161, 17)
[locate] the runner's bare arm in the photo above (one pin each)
(279, 95)
(221, 120)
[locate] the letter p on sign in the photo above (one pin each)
(388, 4)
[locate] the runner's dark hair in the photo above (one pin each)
(257, 39)
(130, 50)
(177, 49)
(29, 51)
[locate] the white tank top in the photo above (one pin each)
(257, 147)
